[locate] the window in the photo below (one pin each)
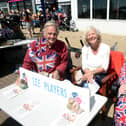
(21, 5)
(13, 5)
(117, 9)
(100, 9)
(83, 8)
(28, 4)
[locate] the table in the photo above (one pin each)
(16, 51)
(12, 105)
(17, 43)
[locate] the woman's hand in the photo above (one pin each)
(88, 76)
(122, 89)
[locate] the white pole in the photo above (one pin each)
(33, 6)
(108, 9)
(91, 9)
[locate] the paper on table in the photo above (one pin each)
(12, 92)
(65, 119)
(94, 87)
(68, 118)
(26, 108)
(59, 122)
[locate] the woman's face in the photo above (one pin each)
(51, 34)
(92, 37)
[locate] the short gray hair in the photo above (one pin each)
(50, 23)
(96, 30)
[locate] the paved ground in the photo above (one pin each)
(11, 61)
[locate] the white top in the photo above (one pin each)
(93, 61)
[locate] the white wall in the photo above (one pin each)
(117, 27)
(111, 27)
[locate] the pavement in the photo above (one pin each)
(11, 61)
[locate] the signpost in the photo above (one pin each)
(43, 8)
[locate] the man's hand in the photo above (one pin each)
(44, 73)
(18, 82)
(56, 75)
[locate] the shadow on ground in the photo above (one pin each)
(10, 122)
(98, 121)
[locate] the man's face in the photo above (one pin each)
(51, 34)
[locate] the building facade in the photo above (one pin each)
(7, 5)
(109, 16)
(4, 6)
(65, 5)
(33, 5)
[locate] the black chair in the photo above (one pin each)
(70, 65)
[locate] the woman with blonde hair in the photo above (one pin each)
(95, 57)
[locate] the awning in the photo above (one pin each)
(14, 1)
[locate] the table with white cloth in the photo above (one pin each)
(44, 107)
(15, 43)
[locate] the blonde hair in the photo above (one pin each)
(50, 23)
(96, 31)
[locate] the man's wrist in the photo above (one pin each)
(58, 74)
(58, 71)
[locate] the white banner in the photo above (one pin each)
(62, 90)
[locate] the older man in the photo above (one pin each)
(47, 54)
